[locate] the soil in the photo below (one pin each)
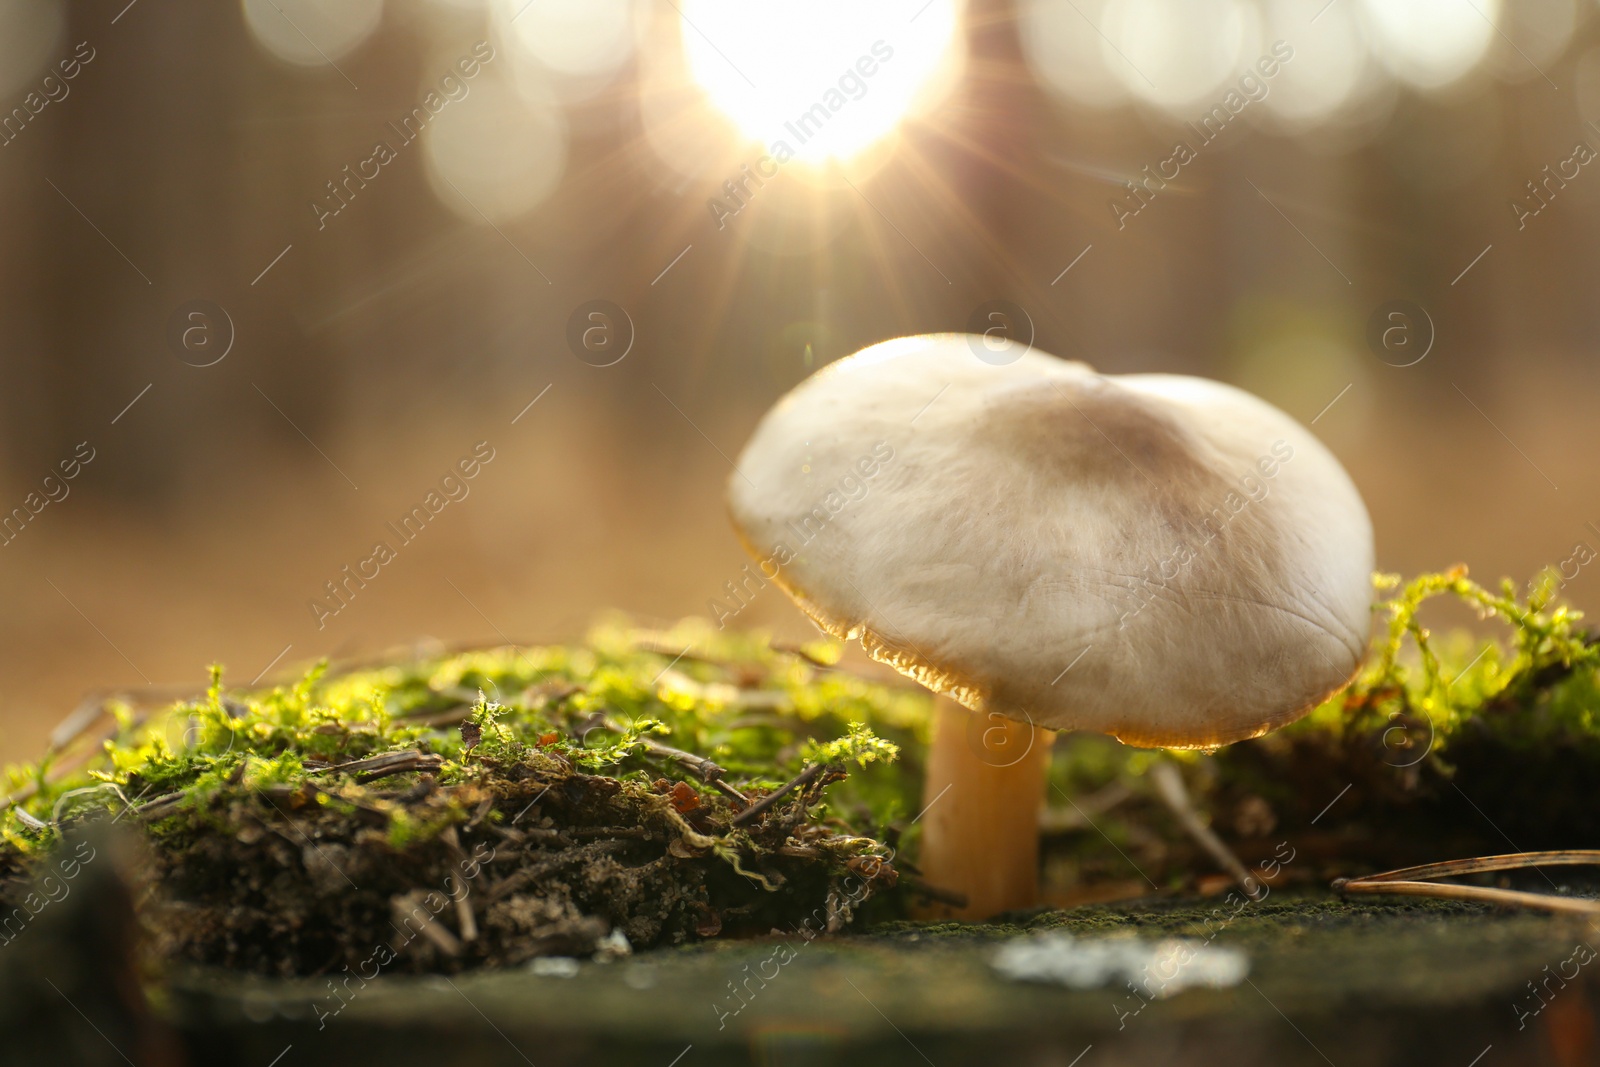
(552, 861)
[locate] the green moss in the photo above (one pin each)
(728, 697)
(1547, 677)
(1385, 773)
(764, 714)
(1441, 747)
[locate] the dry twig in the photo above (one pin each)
(1169, 783)
(1413, 881)
(805, 777)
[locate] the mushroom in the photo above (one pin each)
(1165, 559)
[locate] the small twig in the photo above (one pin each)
(706, 770)
(373, 811)
(1409, 881)
(651, 643)
(406, 907)
(730, 792)
(505, 833)
(799, 852)
(1510, 861)
(484, 809)
(59, 769)
(1480, 894)
(464, 917)
(870, 672)
(1169, 784)
(386, 764)
(800, 653)
(640, 833)
(1083, 810)
(154, 809)
(451, 716)
(76, 724)
(803, 778)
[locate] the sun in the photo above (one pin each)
(826, 78)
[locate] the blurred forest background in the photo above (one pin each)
(184, 159)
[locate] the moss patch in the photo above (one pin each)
(483, 808)
(489, 807)
(1440, 749)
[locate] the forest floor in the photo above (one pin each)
(661, 844)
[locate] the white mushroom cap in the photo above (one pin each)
(1162, 558)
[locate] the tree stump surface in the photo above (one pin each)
(1366, 982)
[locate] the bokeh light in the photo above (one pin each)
(826, 77)
(30, 35)
(311, 33)
(1067, 53)
(579, 38)
(1178, 53)
(1430, 43)
(497, 153)
(1328, 65)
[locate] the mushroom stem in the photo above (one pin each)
(980, 821)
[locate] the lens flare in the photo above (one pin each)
(826, 78)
